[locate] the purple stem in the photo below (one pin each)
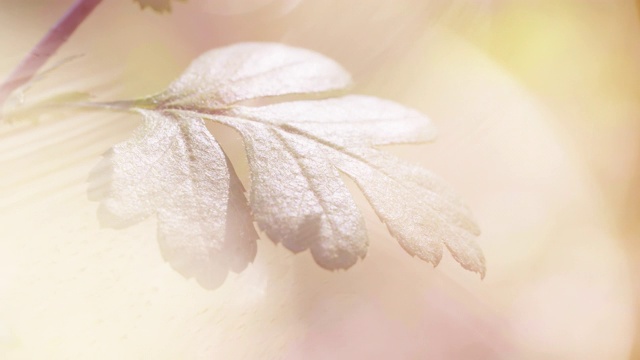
(47, 47)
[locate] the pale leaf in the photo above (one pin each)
(353, 120)
(298, 197)
(222, 77)
(296, 149)
(174, 168)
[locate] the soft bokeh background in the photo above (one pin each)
(538, 111)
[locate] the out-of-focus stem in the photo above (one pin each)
(47, 46)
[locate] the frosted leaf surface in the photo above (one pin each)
(296, 150)
(172, 167)
(245, 71)
(353, 120)
(426, 216)
(298, 197)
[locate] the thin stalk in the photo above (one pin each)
(124, 106)
(47, 47)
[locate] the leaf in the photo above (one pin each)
(299, 199)
(157, 5)
(223, 77)
(174, 168)
(296, 150)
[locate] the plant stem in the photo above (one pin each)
(47, 47)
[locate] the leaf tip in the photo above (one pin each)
(342, 260)
(429, 251)
(480, 270)
(470, 257)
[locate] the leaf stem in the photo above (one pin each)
(125, 105)
(47, 47)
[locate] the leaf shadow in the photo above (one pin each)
(210, 269)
